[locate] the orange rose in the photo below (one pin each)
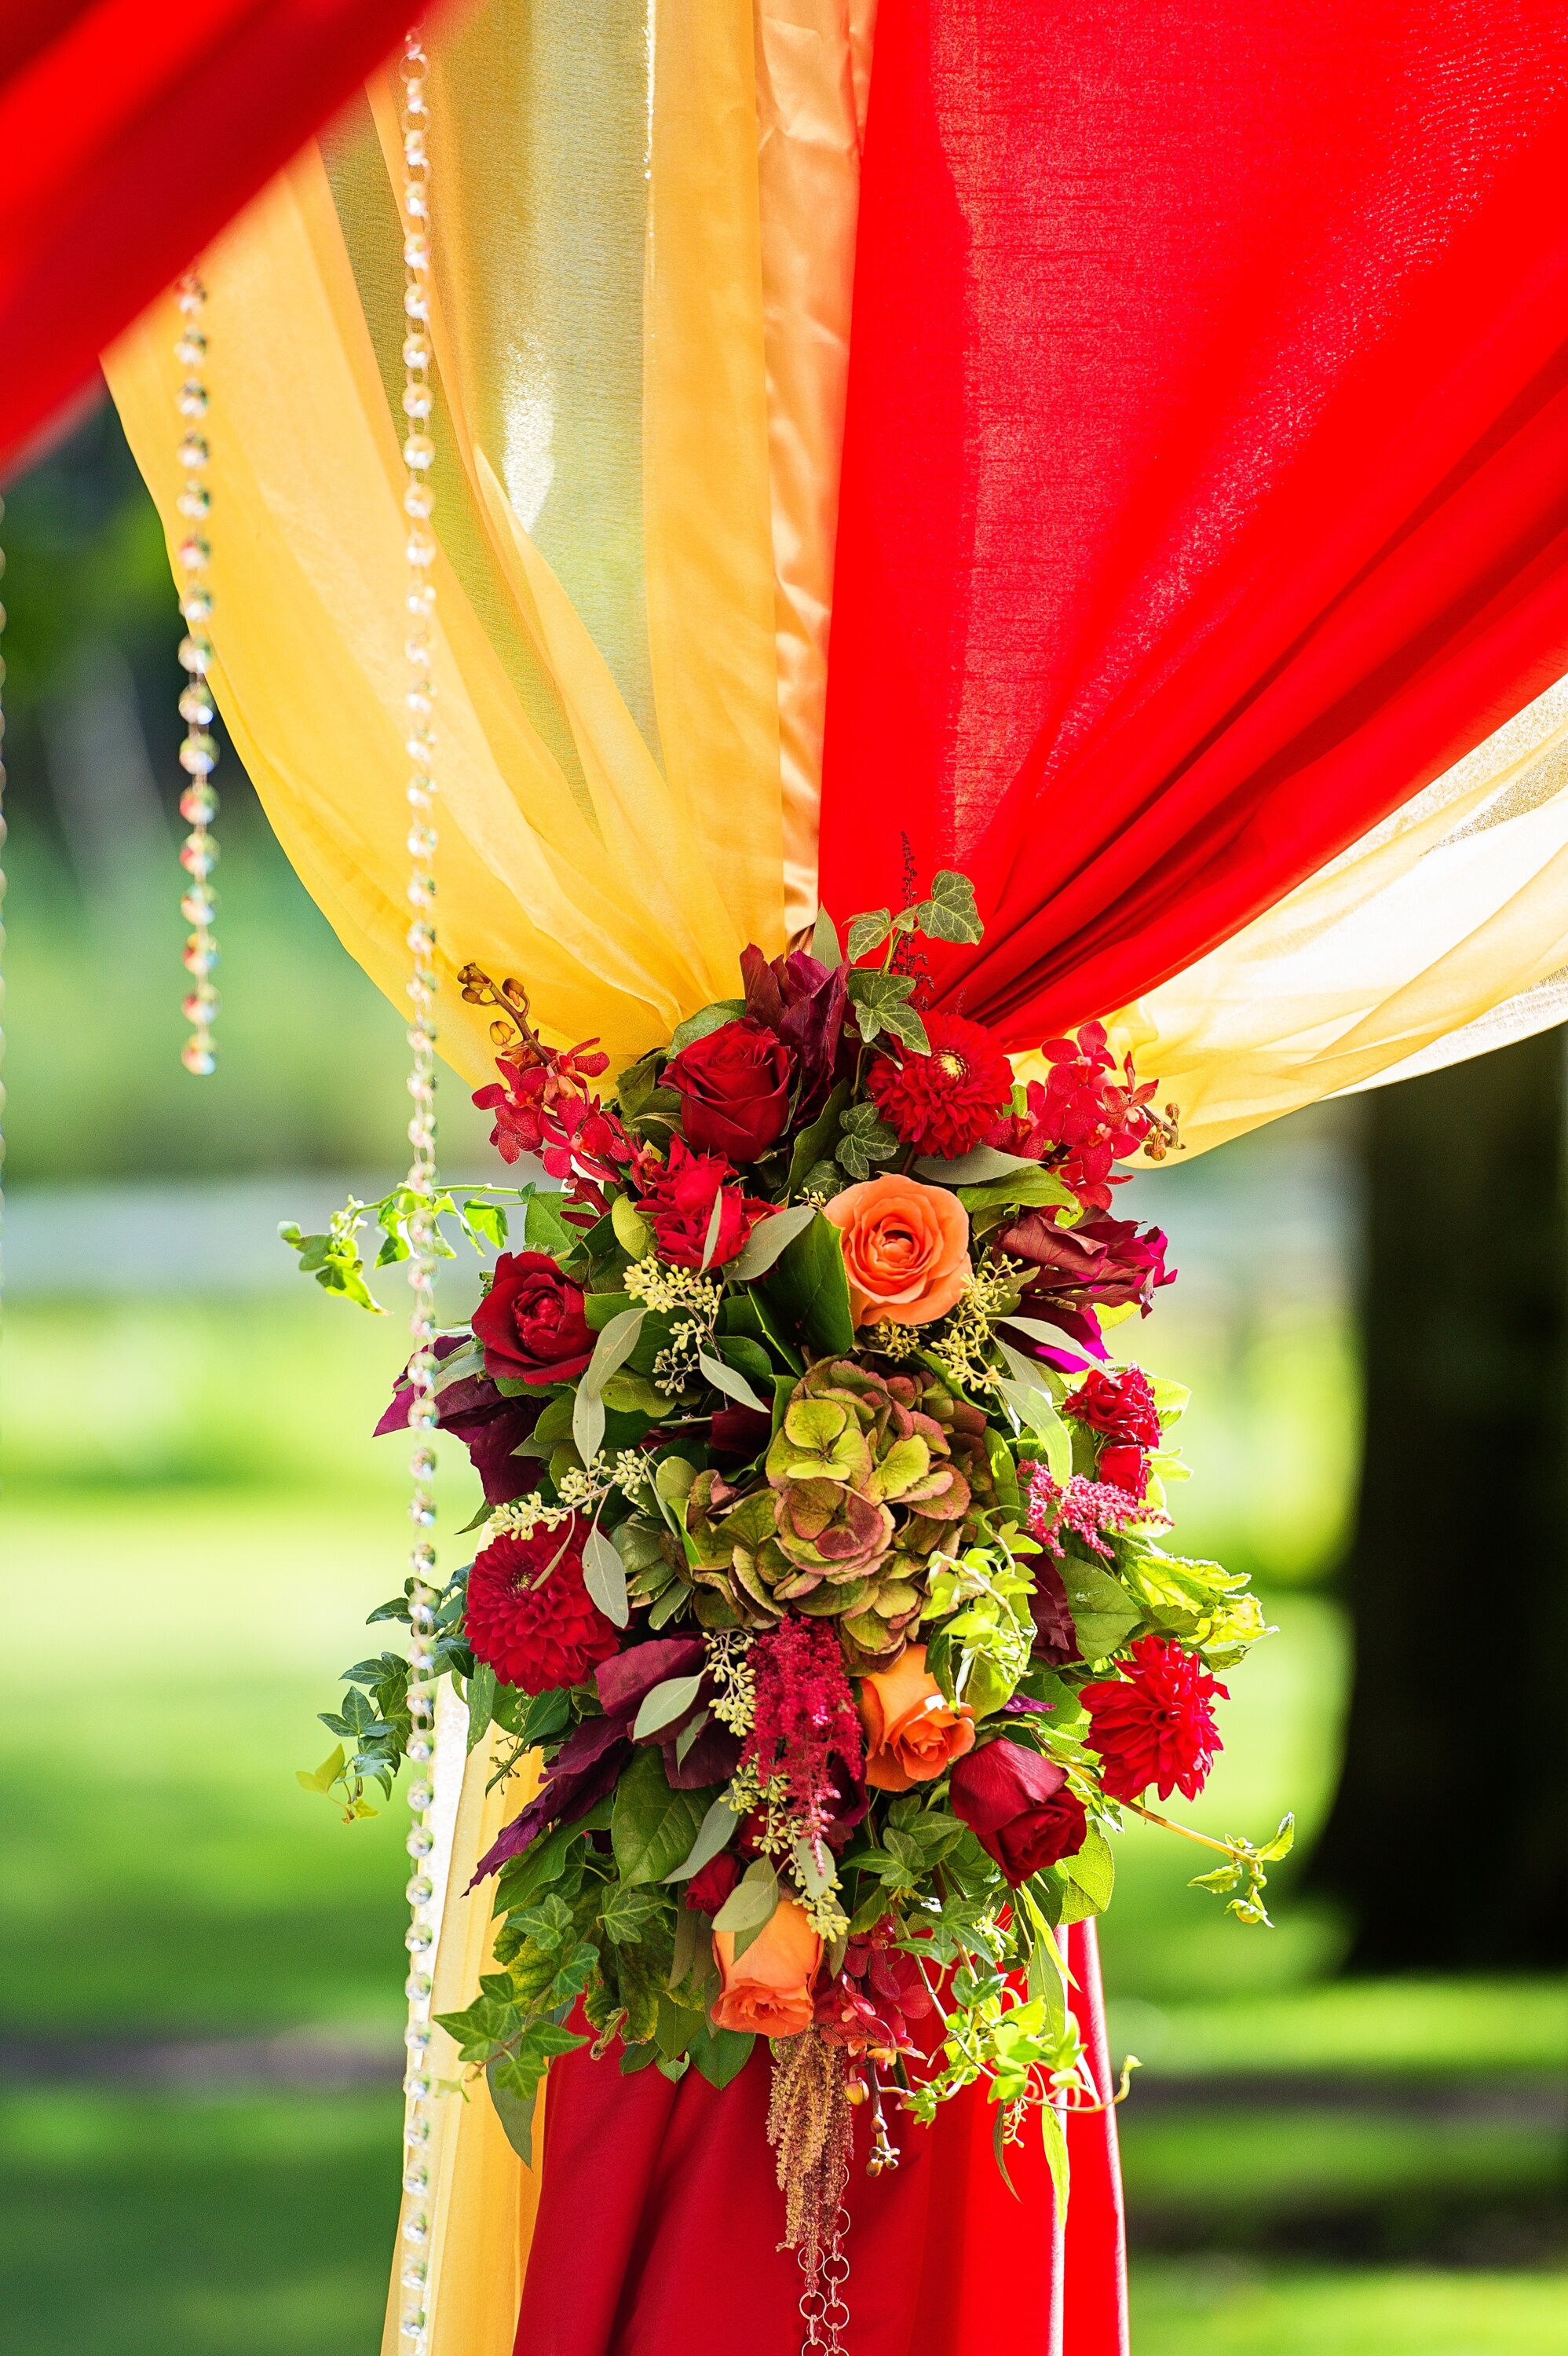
(769, 1990)
(906, 1250)
(913, 1733)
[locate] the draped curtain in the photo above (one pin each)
(131, 130)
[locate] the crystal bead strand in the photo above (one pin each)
(419, 453)
(199, 754)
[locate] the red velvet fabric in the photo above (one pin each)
(1206, 481)
(131, 130)
(659, 2219)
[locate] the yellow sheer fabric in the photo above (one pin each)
(1442, 933)
(481, 2201)
(643, 238)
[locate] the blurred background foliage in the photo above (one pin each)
(202, 1965)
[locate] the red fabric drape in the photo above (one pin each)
(659, 2218)
(131, 130)
(1206, 481)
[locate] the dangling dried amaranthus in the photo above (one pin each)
(808, 2126)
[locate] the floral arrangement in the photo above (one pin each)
(819, 1600)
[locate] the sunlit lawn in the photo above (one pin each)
(196, 1525)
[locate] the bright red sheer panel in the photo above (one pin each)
(1206, 482)
(659, 2217)
(131, 130)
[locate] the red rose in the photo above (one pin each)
(1018, 1807)
(677, 1203)
(1123, 1465)
(707, 1889)
(1121, 1404)
(530, 1324)
(1155, 1723)
(529, 1615)
(733, 1088)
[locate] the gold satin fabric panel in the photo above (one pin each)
(482, 2200)
(642, 231)
(1442, 933)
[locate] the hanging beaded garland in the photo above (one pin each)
(198, 753)
(419, 453)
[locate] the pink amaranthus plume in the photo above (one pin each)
(1086, 1508)
(806, 1728)
(1083, 1117)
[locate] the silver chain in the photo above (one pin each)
(823, 2309)
(198, 753)
(419, 702)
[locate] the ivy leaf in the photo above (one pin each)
(484, 1224)
(864, 1138)
(868, 932)
(323, 1778)
(882, 1003)
(544, 1225)
(950, 914)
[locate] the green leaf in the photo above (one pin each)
(481, 1703)
(720, 2054)
(1053, 2138)
(729, 1380)
(864, 1138)
(711, 1240)
(987, 1161)
(1030, 1189)
(824, 946)
(323, 1778)
(545, 1228)
(713, 1834)
(632, 1230)
(810, 1290)
(485, 1223)
(628, 1915)
(768, 1239)
(1270, 1851)
(515, 2111)
(707, 1019)
(652, 1827)
(815, 1142)
(882, 1003)
(664, 1704)
(604, 1575)
(752, 1901)
(868, 932)
(615, 1344)
(1104, 1613)
(1092, 1871)
(950, 914)
(1036, 1410)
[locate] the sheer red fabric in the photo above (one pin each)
(131, 130)
(659, 2218)
(1206, 480)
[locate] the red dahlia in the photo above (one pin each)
(529, 1615)
(945, 1102)
(1155, 1723)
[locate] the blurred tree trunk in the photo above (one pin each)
(1448, 1838)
